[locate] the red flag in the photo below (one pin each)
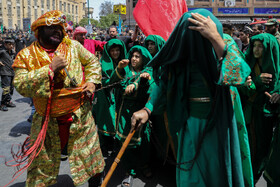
(159, 16)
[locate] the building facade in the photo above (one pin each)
(19, 14)
(236, 11)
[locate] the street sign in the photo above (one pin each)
(119, 9)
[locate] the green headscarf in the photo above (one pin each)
(159, 41)
(106, 60)
(183, 48)
(146, 56)
(270, 57)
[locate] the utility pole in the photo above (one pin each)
(88, 13)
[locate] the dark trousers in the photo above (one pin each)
(8, 88)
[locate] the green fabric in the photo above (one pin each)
(272, 170)
(126, 105)
(259, 113)
(142, 50)
(183, 48)
(104, 109)
(159, 41)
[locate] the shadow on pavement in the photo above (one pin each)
(21, 184)
(23, 100)
(64, 181)
(20, 129)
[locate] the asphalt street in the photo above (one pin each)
(14, 130)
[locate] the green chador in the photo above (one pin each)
(203, 107)
(259, 114)
(104, 109)
(163, 140)
(159, 41)
(126, 105)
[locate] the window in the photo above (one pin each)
(64, 7)
(72, 9)
(76, 9)
(29, 12)
(42, 3)
(48, 4)
(18, 11)
(53, 5)
(68, 7)
(36, 13)
(19, 23)
(60, 5)
(10, 23)
(28, 2)
(9, 10)
(35, 3)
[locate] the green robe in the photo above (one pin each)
(159, 41)
(223, 157)
(126, 105)
(104, 109)
(163, 140)
(259, 113)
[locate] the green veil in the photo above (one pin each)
(159, 41)
(172, 67)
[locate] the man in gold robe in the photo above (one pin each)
(50, 72)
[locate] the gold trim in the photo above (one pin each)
(200, 99)
(268, 176)
(106, 132)
(170, 141)
(124, 137)
(118, 74)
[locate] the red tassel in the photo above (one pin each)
(26, 154)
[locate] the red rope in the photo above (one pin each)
(26, 154)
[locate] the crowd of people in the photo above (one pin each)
(211, 93)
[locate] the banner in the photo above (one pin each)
(159, 16)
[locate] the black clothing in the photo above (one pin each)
(244, 47)
(20, 44)
(8, 60)
(30, 39)
(126, 39)
(8, 89)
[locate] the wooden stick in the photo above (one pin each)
(117, 159)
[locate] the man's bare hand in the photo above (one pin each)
(59, 62)
(139, 118)
(274, 98)
(145, 75)
(266, 78)
(248, 81)
(1, 64)
(205, 26)
(123, 63)
(129, 89)
(88, 88)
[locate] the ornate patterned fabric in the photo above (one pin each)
(32, 80)
(54, 17)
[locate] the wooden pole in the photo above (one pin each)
(117, 159)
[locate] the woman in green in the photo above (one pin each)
(263, 58)
(131, 97)
(163, 140)
(112, 62)
(154, 43)
(200, 67)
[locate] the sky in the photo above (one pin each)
(96, 4)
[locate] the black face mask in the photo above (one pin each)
(46, 36)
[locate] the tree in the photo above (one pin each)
(106, 8)
(84, 22)
(106, 21)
